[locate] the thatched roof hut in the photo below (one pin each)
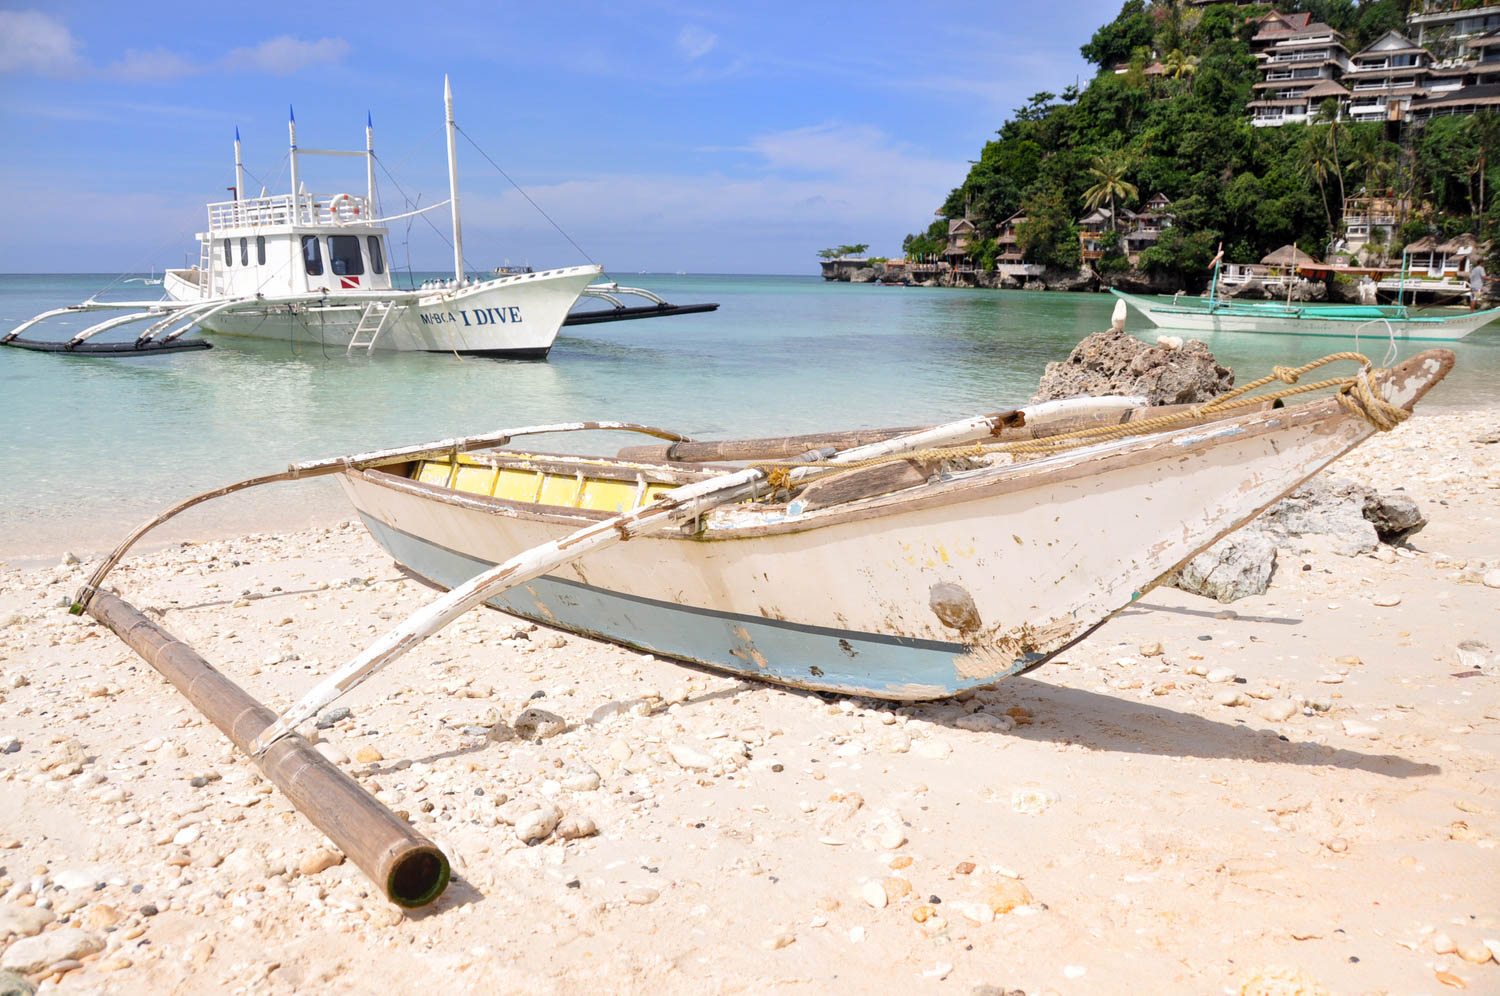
(1288, 255)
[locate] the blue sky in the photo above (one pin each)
(661, 136)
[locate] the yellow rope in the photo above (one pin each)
(1356, 395)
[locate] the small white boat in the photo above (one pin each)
(1278, 318)
(315, 268)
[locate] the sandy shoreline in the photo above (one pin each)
(1324, 812)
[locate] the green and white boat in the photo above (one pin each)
(1343, 320)
(1215, 314)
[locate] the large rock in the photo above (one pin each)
(1070, 280)
(1396, 518)
(23, 921)
(1238, 565)
(1324, 506)
(1355, 516)
(1143, 281)
(33, 954)
(1115, 362)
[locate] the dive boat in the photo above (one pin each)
(315, 269)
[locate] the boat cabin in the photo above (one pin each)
(292, 244)
(283, 245)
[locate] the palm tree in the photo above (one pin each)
(1371, 158)
(1486, 130)
(1109, 173)
(1316, 160)
(1178, 65)
(1328, 113)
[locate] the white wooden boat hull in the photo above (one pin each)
(953, 584)
(1188, 318)
(514, 316)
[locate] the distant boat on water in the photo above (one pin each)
(1217, 314)
(314, 268)
(151, 281)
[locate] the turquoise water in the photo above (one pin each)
(92, 445)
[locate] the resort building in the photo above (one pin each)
(1371, 221)
(1301, 61)
(1384, 77)
(1443, 259)
(1443, 27)
(1091, 230)
(961, 234)
(1010, 247)
(1138, 230)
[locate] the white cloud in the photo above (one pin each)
(149, 67)
(285, 55)
(695, 43)
(831, 182)
(34, 42)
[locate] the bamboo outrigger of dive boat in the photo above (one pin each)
(315, 268)
(1218, 314)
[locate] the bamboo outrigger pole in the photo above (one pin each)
(407, 866)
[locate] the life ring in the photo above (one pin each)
(337, 203)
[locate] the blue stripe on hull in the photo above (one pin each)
(765, 649)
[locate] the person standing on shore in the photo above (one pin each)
(1477, 277)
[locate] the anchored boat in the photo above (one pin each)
(1217, 314)
(1191, 314)
(315, 268)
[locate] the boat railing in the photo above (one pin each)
(312, 209)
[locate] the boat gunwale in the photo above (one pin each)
(752, 521)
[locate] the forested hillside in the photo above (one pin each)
(1183, 130)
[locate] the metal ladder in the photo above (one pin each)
(205, 250)
(371, 323)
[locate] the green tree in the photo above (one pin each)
(1048, 235)
(1109, 172)
(1113, 43)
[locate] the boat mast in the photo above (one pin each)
(1214, 284)
(458, 235)
(291, 128)
(239, 169)
(370, 164)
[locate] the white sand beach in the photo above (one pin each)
(1296, 793)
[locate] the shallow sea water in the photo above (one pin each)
(92, 445)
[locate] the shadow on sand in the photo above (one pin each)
(1106, 723)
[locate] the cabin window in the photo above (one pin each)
(244, 252)
(312, 256)
(377, 258)
(228, 254)
(343, 256)
(260, 249)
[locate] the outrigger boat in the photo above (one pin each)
(315, 268)
(901, 564)
(1216, 314)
